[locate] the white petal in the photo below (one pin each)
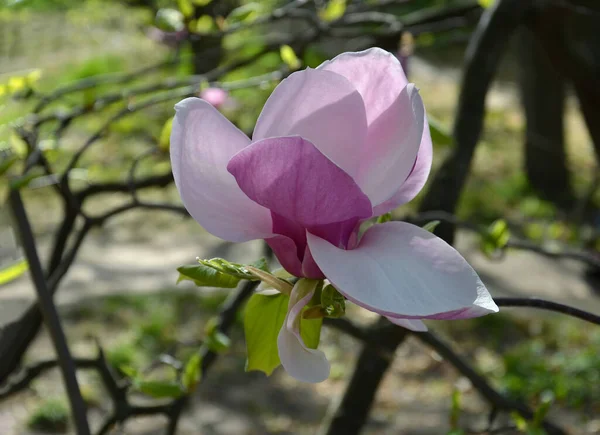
(302, 363)
(202, 142)
(403, 271)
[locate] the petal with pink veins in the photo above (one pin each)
(324, 108)
(292, 178)
(301, 362)
(400, 270)
(202, 143)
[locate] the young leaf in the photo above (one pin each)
(159, 389)
(289, 57)
(263, 319)
(335, 9)
(13, 271)
(204, 276)
(165, 136)
(186, 7)
(217, 341)
(192, 372)
(384, 218)
(431, 226)
(333, 302)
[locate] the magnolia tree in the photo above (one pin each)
(334, 150)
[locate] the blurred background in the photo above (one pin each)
(100, 77)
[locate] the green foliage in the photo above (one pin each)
(289, 57)
(205, 276)
(537, 367)
(332, 302)
(431, 226)
(263, 318)
(386, 217)
(495, 238)
(192, 372)
(334, 10)
(123, 356)
(51, 416)
(13, 271)
(159, 389)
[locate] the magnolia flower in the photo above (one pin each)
(216, 97)
(333, 146)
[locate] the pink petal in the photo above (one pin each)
(289, 176)
(214, 96)
(400, 270)
(393, 143)
(304, 364)
(417, 178)
(286, 251)
(202, 142)
(324, 108)
(411, 324)
(375, 73)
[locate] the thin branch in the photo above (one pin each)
(548, 305)
(50, 313)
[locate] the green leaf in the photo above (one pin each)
(261, 264)
(13, 271)
(455, 410)
(23, 181)
(7, 162)
(333, 302)
(485, 3)
(310, 330)
(335, 9)
(159, 389)
(169, 20)
(186, 7)
(217, 341)
(439, 133)
(165, 136)
(289, 57)
(547, 398)
(263, 318)
(431, 226)
(201, 2)
(496, 237)
(204, 276)
(192, 372)
(245, 14)
(204, 24)
(384, 218)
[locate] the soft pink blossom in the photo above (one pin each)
(216, 97)
(333, 146)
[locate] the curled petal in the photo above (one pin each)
(375, 73)
(301, 362)
(202, 142)
(402, 271)
(416, 179)
(393, 142)
(322, 107)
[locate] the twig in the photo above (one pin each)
(51, 318)
(548, 305)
